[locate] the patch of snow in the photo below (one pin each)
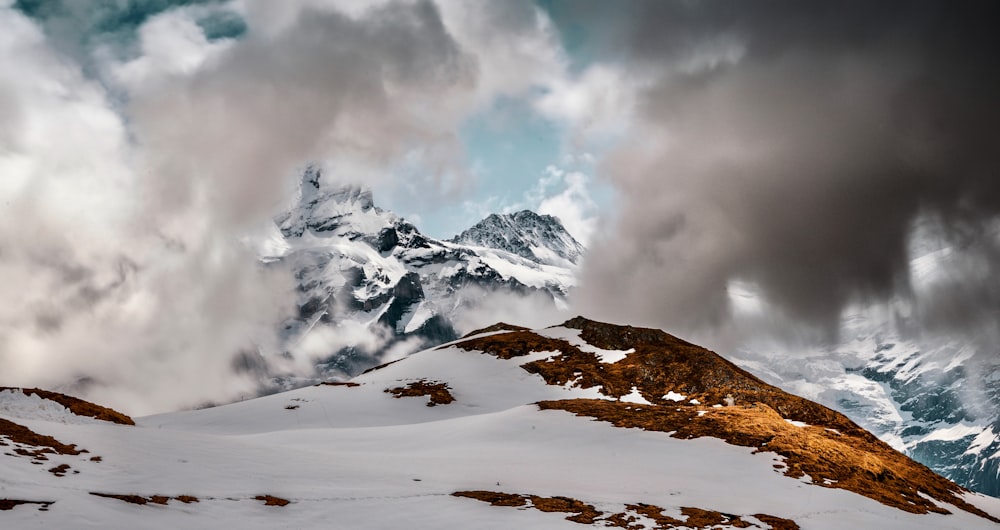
(572, 336)
(797, 423)
(15, 404)
(416, 317)
(674, 396)
(635, 397)
(981, 441)
(955, 432)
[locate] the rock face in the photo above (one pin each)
(363, 270)
(953, 414)
(539, 238)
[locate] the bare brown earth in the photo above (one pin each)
(834, 451)
(45, 444)
(60, 470)
(499, 326)
(77, 406)
(438, 392)
(10, 504)
(153, 499)
(583, 513)
(270, 500)
(338, 383)
(381, 366)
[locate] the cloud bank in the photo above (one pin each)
(805, 152)
(795, 147)
(132, 163)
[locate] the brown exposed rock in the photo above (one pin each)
(583, 513)
(519, 344)
(77, 406)
(438, 392)
(10, 504)
(46, 444)
(60, 470)
(868, 467)
(270, 500)
(499, 326)
(381, 366)
(140, 500)
(340, 383)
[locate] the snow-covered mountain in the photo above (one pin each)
(932, 399)
(539, 238)
(935, 397)
(365, 272)
(583, 424)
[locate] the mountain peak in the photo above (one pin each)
(536, 237)
(324, 207)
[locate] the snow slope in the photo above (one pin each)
(358, 457)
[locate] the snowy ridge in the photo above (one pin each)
(539, 238)
(373, 454)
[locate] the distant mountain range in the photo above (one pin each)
(584, 424)
(934, 399)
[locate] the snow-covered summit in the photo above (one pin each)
(539, 238)
(365, 271)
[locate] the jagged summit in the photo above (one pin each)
(360, 266)
(323, 210)
(540, 238)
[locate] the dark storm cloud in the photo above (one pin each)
(793, 145)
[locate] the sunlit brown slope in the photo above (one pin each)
(723, 401)
(76, 405)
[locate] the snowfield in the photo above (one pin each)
(357, 457)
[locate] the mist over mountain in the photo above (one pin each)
(372, 288)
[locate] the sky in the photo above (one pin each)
(807, 152)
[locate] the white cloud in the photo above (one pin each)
(171, 44)
(573, 206)
(596, 104)
(124, 280)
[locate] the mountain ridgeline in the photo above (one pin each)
(359, 266)
(539, 238)
(578, 425)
